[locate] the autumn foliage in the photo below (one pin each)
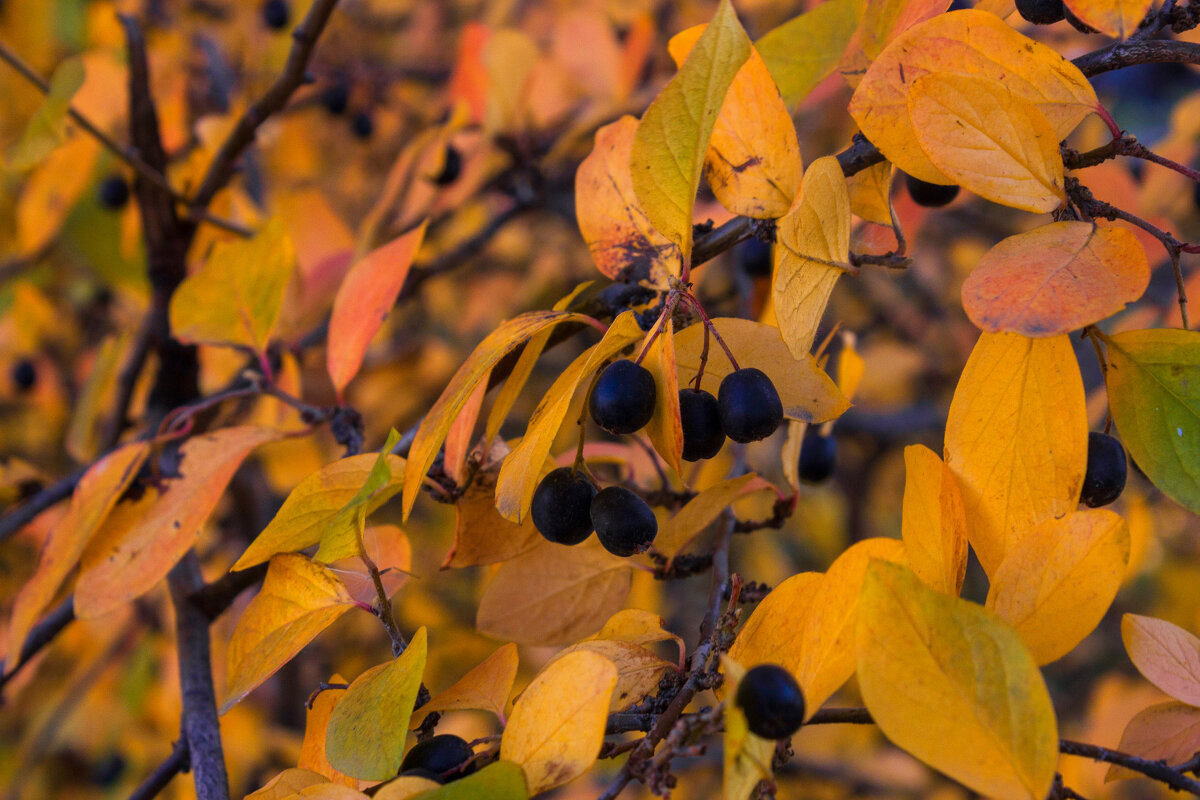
(461, 400)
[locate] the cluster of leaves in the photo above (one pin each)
(197, 361)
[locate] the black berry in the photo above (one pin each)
(1042, 12)
(276, 14)
(562, 506)
(818, 456)
(700, 414)
(750, 406)
(772, 702)
(754, 256)
(451, 167)
(445, 755)
(24, 375)
(421, 772)
(623, 397)
(363, 125)
(114, 192)
(335, 98)
(930, 195)
(624, 523)
(107, 771)
(1105, 477)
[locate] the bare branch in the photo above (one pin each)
(179, 761)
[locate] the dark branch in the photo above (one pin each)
(1128, 54)
(42, 634)
(25, 513)
(179, 761)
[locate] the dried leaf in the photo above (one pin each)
(638, 670)
(1167, 732)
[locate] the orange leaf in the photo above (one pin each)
(485, 688)
(697, 514)
(933, 524)
(638, 670)
(1168, 732)
(1056, 279)
(363, 301)
(1166, 654)
(316, 721)
(1115, 18)
(481, 535)
(143, 540)
(665, 429)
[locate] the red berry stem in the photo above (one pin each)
(690, 298)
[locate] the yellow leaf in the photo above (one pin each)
(637, 627)
(441, 416)
(95, 495)
(83, 435)
(850, 367)
(881, 22)
(485, 688)
(697, 514)
(806, 392)
(316, 724)
(638, 670)
(671, 141)
(972, 43)
(314, 504)
(298, 600)
(47, 129)
(141, 541)
(236, 296)
(52, 190)
(753, 161)
(1166, 654)
(933, 523)
(988, 139)
(521, 470)
(343, 536)
(806, 49)
(870, 193)
(1167, 732)
(624, 243)
(368, 726)
(557, 725)
(1016, 438)
(806, 624)
(812, 252)
(951, 684)
(665, 430)
(286, 784)
(1056, 584)
(1056, 279)
(553, 594)
(363, 302)
(1115, 18)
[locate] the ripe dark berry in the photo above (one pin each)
(421, 772)
(335, 98)
(1105, 477)
(443, 755)
(623, 521)
(1041, 12)
(703, 435)
(363, 125)
(107, 771)
(24, 375)
(451, 167)
(818, 456)
(623, 397)
(562, 506)
(772, 701)
(930, 195)
(754, 256)
(114, 192)
(750, 406)
(276, 14)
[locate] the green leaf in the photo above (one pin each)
(670, 143)
(805, 50)
(502, 780)
(343, 536)
(1154, 391)
(47, 128)
(367, 728)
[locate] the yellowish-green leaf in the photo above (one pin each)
(235, 297)
(314, 504)
(47, 129)
(672, 139)
(368, 726)
(988, 139)
(753, 161)
(933, 523)
(557, 725)
(1154, 391)
(1016, 438)
(1168, 732)
(806, 49)
(972, 43)
(342, 537)
(554, 594)
(952, 684)
(697, 514)
(813, 250)
(432, 433)
(522, 467)
(298, 600)
(1115, 18)
(1166, 654)
(1056, 584)
(485, 688)
(502, 780)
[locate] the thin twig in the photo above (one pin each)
(42, 634)
(178, 761)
